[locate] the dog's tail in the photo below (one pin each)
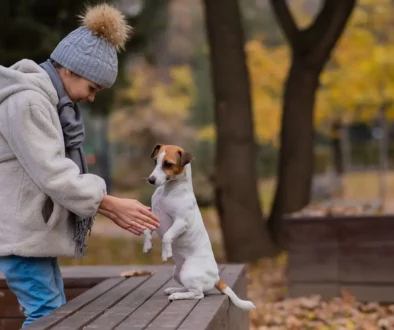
(242, 304)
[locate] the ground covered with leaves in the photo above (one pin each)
(267, 288)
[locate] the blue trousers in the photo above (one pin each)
(37, 284)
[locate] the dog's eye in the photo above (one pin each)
(168, 165)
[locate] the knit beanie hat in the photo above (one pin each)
(90, 51)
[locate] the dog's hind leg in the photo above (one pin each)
(170, 291)
(191, 294)
(147, 240)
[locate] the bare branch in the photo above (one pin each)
(320, 38)
(286, 21)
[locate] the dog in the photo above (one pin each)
(182, 231)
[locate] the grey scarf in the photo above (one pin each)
(74, 132)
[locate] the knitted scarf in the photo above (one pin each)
(74, 132)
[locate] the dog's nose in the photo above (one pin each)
(152, 180)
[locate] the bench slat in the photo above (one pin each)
(211, 313)
(101, 304)
(140, 303)
(172, 316)
(74, 305)
(125, 307)
(104, 272)
(147, 311)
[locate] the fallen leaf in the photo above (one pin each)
(310, 303)
(347, 297)
(131, 273)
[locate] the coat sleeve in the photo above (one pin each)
(39, 147)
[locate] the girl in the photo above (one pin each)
(47, 198)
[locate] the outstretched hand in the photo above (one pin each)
(128, 214)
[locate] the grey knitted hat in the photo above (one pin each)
(90, 51)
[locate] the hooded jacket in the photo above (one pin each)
(39, 185)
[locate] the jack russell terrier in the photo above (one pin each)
(182, 229)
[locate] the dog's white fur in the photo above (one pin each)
(185, 238)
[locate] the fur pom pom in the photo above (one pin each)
(107, 22)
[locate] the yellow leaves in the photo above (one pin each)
(350, 325)
(182, 77)
(169, 98)
(163, 96)
(267, 70)
(207, 133)
(169, 101)
(360, 76)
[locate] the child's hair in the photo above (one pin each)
(55, 64)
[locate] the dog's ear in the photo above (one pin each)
(155, 150)
(186, 157)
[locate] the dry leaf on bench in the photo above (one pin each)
(131, 273)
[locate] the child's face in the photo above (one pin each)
(77, 88)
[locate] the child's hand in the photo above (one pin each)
(128, 214)
(120, 223)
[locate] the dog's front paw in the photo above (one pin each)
(166, 252)
(147, 246)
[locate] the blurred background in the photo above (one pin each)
(284, 105)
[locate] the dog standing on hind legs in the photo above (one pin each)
(182, 231)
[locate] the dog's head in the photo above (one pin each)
(170, 162)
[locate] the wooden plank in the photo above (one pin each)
(173, 315)
(326, 290)
(312, 231)
(74, 305)
(212, 311)
(73, 293)
(97, 307)
(143, 315)
(313, 263)
(364, 229)
(9, 306)
(366, 292)
(367, 263)
(89, 276)
(125, 307)
(101, 273)
(11, 323)
(150, 310)
(363, 292)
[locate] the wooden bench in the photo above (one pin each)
(99, 298)
(326, 254)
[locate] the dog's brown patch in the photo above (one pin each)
(174, 160)
(221, 286)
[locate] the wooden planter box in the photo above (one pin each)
(352, 252)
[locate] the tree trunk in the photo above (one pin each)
(311, 50)
(336, 147)
(296, 160)
(383, 155)
(237, 198)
